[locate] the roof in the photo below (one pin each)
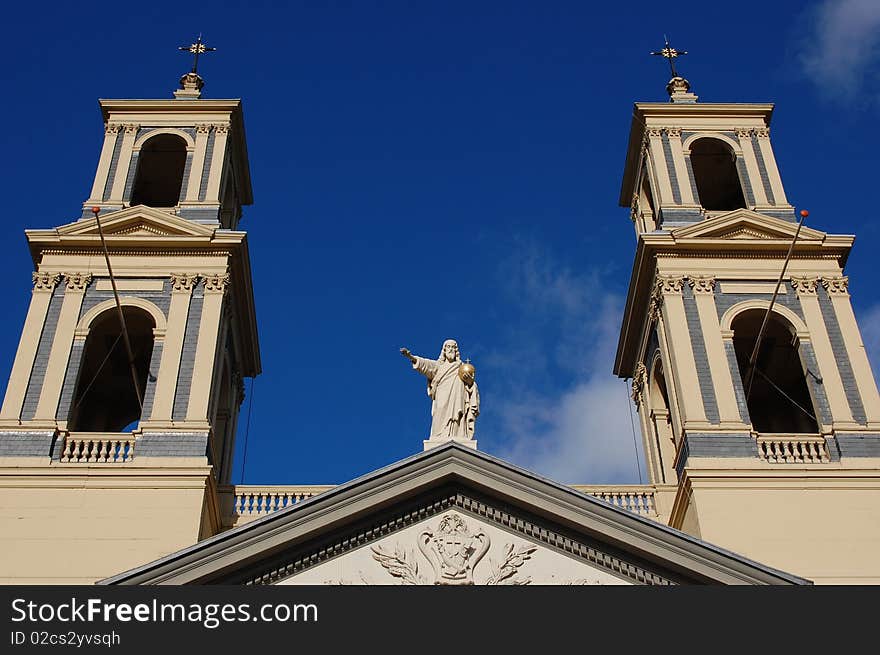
(377, 504)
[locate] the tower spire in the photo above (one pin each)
(678, 88)
(191, 83)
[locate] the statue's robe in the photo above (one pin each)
(455, 405)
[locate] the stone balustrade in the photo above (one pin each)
(638, 499)
(98, 448)
(244, 503)
(792, 449)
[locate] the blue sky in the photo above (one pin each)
(427, 170)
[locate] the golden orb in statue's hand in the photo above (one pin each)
(467, 373)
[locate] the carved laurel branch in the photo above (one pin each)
(399, 565)
(513, 560)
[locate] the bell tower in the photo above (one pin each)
(769, 446)
(137, 445)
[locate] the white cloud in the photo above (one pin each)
(561, 412)
(869, 325)
(843, 47)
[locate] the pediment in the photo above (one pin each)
(452, 509)
(744, 224)
(137, 222)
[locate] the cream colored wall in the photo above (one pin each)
(77, 524)
(817, 521)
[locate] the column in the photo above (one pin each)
(111, 131)
(684, 371)
(44, 286)
(118, 188)
(837, 402)
(837, 288)
(198, 163)
(206, 348)
(182, 285)
(744, 135)
(221, 131)
(763, 134)
(704, 296)
(76, 284)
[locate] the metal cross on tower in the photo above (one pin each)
(670, 53)
(196, 49)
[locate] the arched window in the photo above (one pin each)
(718, 184)
(779, 400)
(105, 399)
(159, 171)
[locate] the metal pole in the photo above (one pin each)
(134, 377)
(753, 359)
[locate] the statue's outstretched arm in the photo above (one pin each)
(406, 353)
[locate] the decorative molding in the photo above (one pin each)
(131, 128)
(743, 132)
(655, 303)
(183, 281)
(762, 132)
(655, 131)
(640, 380)
(836, 286)
(804, 286)
(112, 128)
(78, 281)
(670, 284)
(702, 283)
(238, 382)
(453, 550)
(673, 132)
(203, 128)
(221, 128)
(634, 208)
(216, 283)
(373, 531)
(46, 281)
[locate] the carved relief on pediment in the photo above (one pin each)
(453, 549)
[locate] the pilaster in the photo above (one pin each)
(182, 285)
(111, 133)
(704, 297)
(76, 284)
(215, 174)
(198, 163)
(744, 135)
(658, 162)
(763, 137)
(209, 330)
(684, 371)
(44, 286)
(837, 288)
(128, 138)
(841, 416)
(681, 172)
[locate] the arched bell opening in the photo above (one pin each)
(104, 399)
(718, 183)
(159, 176)
(779, 399)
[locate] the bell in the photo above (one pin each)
(467, 373)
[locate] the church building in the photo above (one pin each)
(758, 409)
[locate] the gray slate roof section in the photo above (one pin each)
(26, 444)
